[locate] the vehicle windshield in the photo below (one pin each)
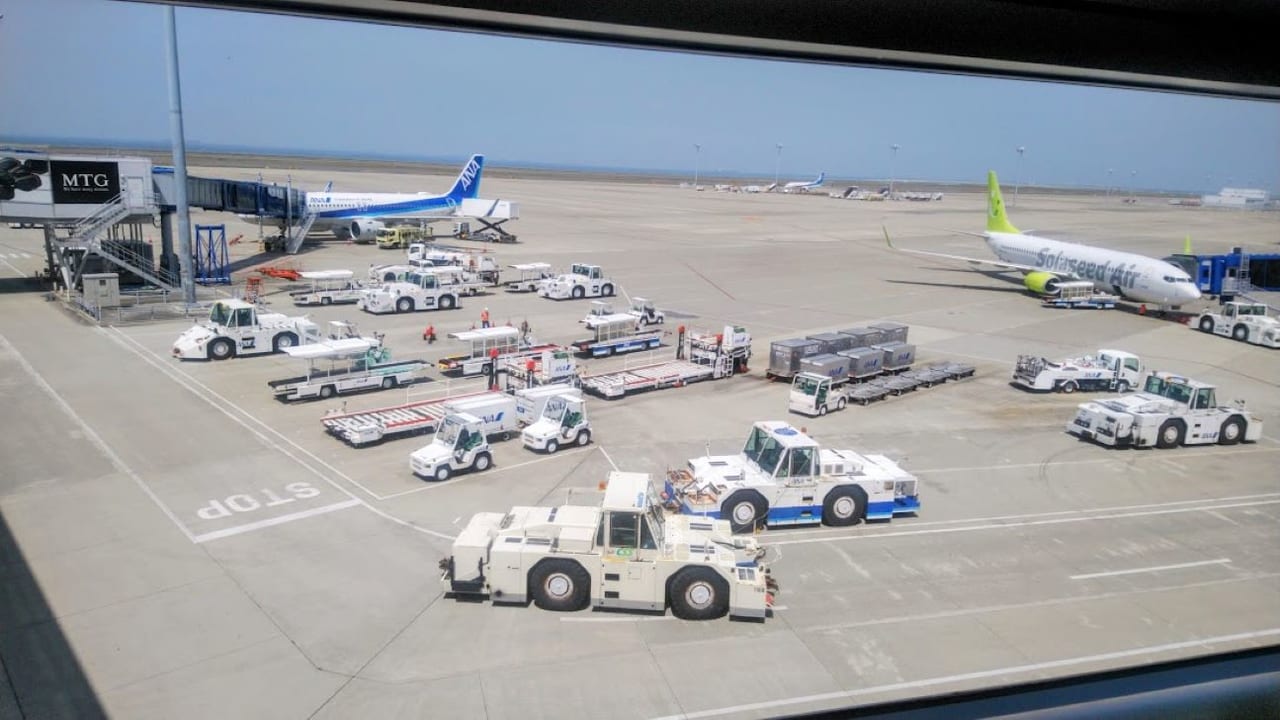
(763, 450)
(220, 314)
(806, 385)
(554, 410)
(1155, 385)
(448, 433)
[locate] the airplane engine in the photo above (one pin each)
(1043, 283)
(363, 231)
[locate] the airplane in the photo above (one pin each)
(1046, 263)
(802, 186)
(359, 216)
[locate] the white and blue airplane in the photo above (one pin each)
(800, 186)
(1046, 263)
(359, 216)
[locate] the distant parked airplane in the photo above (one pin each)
(800, 186)
(1046, 263)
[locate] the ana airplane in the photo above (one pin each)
(1046, 263)
(801, 186)
(359, 216)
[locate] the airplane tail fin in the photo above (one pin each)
(822, 176)
(997, 220)
(468, 183)
(328, 186)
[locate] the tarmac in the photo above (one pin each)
(179, 544)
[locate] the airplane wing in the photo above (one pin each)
(982, 261)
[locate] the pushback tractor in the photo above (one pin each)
(1170, 411)
(236, 327)
(625, 554)
(782, 477)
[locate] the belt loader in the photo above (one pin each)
(1170, 411)
(626, 553)
(782, 477)
(1113, 370)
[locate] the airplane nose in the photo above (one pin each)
(1190, 292)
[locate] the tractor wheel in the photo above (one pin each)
(388, 383)
(284, 340)
(698, 593)
(584, 437)
(404, 305)
(1069, 387)
(578, 292)
(606, 290)
(1240, 332)
(840, 403)
(326, 300)
(447, 302)
(1171, 434)
(327, 391)
(745, 510)
(1232, 431)
(552, 447)
(1122, 386)
(482, 462)
(559, 585)
(1206, 324)
(443, 472)
(846, 505)
(222, 349)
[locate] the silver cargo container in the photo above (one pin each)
(785, 355)
(864, 362)
(897, 355)
(833, 342)
(890, 331)
(863, 336)
(835, 367)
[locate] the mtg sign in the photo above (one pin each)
(84, 181)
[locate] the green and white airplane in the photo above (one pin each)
(1046, 263)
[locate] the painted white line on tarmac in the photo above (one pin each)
(13, 267)
(1026, 523)
(1091, 461)
(271, 522)
(194, 387)
(606, 457)
(93, 436)
(458, 479)
(614, 619)
(996, 518)
(1157, 568)
(1204, 643)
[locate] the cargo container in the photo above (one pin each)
(833, 342)
(890, 331)
(863, 337)
(864, 362)
(785, 355)
(897, 355)
(829, 365)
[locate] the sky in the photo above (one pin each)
(93, 71)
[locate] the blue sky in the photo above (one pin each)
(93, 70)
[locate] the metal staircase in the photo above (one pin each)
(136, 263)
(89, 227)
(299, 233)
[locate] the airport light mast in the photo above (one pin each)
(777, 167)
(697, 156)
(892, 163)
(1018, 184)
(1110, 184)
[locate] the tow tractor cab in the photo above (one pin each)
(782, 477)
(460, 444)
(624, 554)
(563, 422)
(1170, 411)
(417, 291)
(1246, 322)
(581, 281)
(235, 327)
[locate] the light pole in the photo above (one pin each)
(777, 167)
(892, 163)
(697, 157)
(1018, 184)
(1133, 185)
(1110, 172)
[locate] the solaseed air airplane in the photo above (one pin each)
(1046, 263)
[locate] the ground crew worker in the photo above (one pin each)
(429, 334)
(484, 318)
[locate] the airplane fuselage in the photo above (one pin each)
(1129, 275)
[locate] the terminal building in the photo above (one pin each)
(1238, 198)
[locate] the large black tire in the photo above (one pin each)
(1240, 332)
(840, 403)
(745, 510)
(327, 391)
(283, 340)
(578, 292)
(1122, 386)
(560, 585)
(443, 472)
(326, 300)
(844, 506)
(1232, 431)
(221, 349)
(698, 593)
(388, 383)
(584, 437)
(447, 302)
(1069, 387)
(482, 462)
(1206, 324)
(1171, 434)
(606, 290)
(552, 447)
(822, 410)
(404, 305)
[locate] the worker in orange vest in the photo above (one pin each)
(429, 334)
(484, 318)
